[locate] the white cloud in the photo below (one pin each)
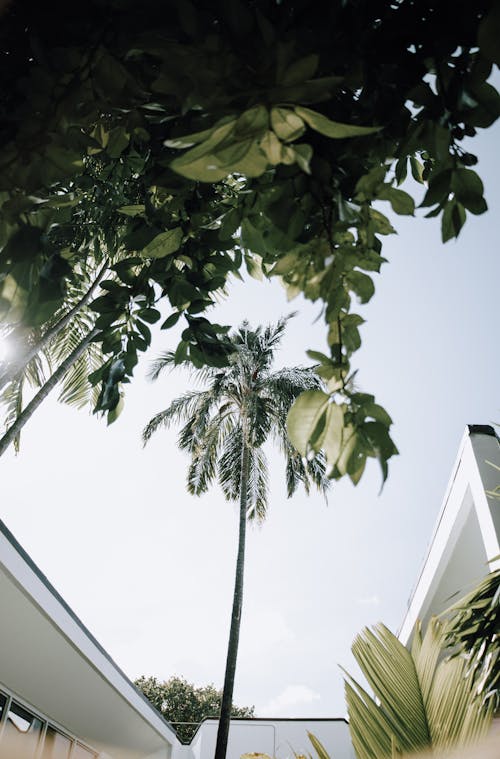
(369, 601)
(289, 702)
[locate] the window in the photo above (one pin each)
(55, 745)
(80, 752)
(22, 733)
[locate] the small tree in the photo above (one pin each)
(185, 705)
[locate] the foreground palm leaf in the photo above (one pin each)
(224, 429)
(420, 700)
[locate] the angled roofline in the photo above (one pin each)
(14, 543)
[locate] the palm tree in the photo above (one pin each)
(224, 428)
(66, 343)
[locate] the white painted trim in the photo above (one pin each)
(465, 491)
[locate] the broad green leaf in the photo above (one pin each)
(216, 137)
(488, 109)
(253, 164)
(368, 184)
(181, 353)
(304, 417)
(133, 210)
(232, 153)
(118, 140)
(331, 441)
(271, 147)
(286, 263)
(458, 217)
(229, 157)
(334, 129)
(488, 36)
(163, 244)
(439, 188)
(318, 356)
(114, 413)
(188, 140)
(401, 170)
(349, 441)
(303, 154)
(251, 238)
(378, 413)
(362, 285)
(447, 222)
(416, 169)
(171, 320)
(67, 161)
(286, 124)
(254, 266)
(357, 472)
(150, 315)
(468, 189)
(401, 202)
(252, 122)
(310, 92)
(301, 70)
(381, 223)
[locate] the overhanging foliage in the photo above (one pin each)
(194, 138)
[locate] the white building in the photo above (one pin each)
(466, 541)
(63, 697)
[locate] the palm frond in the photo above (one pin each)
(316, 472)
(162, 419)
(164, 361)
(229, 464)
(473, 632)
(258, 484)
(260, 419)
(76, 389)
(35, 372)
(285, 385)
(421, 701)
(180, 409)
(398, 690)
(203, 467)
(67, 339)
(12, 399)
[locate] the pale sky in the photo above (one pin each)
(149, 569)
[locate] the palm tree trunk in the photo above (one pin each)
(35, 402)
(234, 634)
(34, 350)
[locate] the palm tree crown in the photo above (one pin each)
(244, 403)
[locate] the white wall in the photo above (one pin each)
(280, 738)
